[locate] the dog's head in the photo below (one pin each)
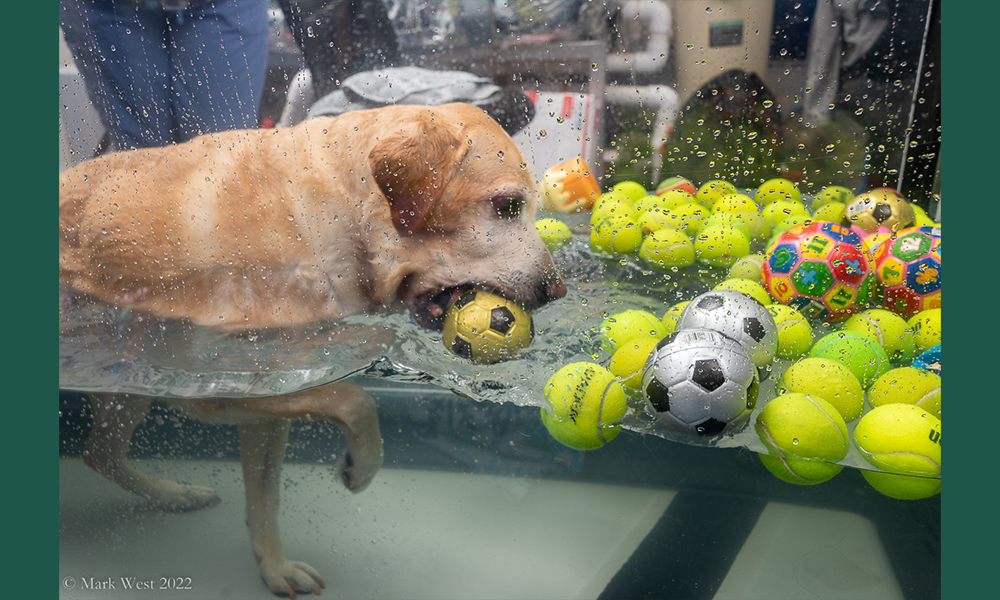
(462, 203)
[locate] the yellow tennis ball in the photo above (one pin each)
(633, 189)
(656, 218)
(904, 441)
(888, 329)
(554, 233)
(833, 193)
(676, 197)
(689, 217)
(805, 437)
(611, 208)
(667, 248)
(748, 287)
(908, 385)
(629, 359)
(672, 316)
(712, 190)
(617, 234)
(859, 353)
(776, 189)
(721, 246)
(612, 196)
(647, 203)
(779, 210)
(726, 219)
(734, 203)
(829, 380)
(586, 403)
(627, 325)
(926, 326)
(922, 219)
(831, 211)
(747, 267)
(795, 334)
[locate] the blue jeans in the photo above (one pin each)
(161, 76)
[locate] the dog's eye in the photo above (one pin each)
(508, 207)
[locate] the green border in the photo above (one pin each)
(31, 288)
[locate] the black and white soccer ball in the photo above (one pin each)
(738, 316)
(701, 382)
(486, 328)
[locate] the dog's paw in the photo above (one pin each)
(289, 577)
(177, 497)
(357, 473)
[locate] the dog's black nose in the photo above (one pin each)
(554, 289)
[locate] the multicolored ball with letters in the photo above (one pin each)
(909, 269)
(822, 269)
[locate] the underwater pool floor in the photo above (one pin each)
(439, 535)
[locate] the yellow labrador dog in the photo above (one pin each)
(397, 206)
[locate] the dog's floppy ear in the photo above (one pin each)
(412, 164)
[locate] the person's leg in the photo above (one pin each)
(219, 61)
(120, 53)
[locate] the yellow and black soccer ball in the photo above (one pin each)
(880, 207)
(486, 328)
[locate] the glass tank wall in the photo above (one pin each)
(824, 119)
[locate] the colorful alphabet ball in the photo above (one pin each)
(568, 187)
(822, 269)
(486, 328)
(909, 269)
(700, 382)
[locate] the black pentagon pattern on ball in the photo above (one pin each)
(658, 395)
(752, 393)
(462, 348)
(708, 374)
(464, 299)
(754, 328)
(710, 427)
(501, 319)
(881, 213)
(710, 303)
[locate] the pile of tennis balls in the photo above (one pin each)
(872, 381)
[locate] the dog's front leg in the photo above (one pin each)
(262, 450)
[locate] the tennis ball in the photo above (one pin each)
(610, 208)
(779, 210)
(629, 359)
(805, 436)
(926, 326)
(721, 246)
(585, 404)
(617, 234)
(626, 325)
(921, 218)
(689, 217)
(734, 203)
(795, 334)
(712, 190)
(676, 197)
(748, 287)
(728, 220)
(657, 218)
(672, 316)
(831, 211)
(647, 203)
(833, 193)
(862, 355)
(888, 329)
(676, 183)
(776, 189)
(554, 233)
(908, 385)
(829, 380)
(633, 189)
(747, 267)
(903, 440)
(667, 248)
